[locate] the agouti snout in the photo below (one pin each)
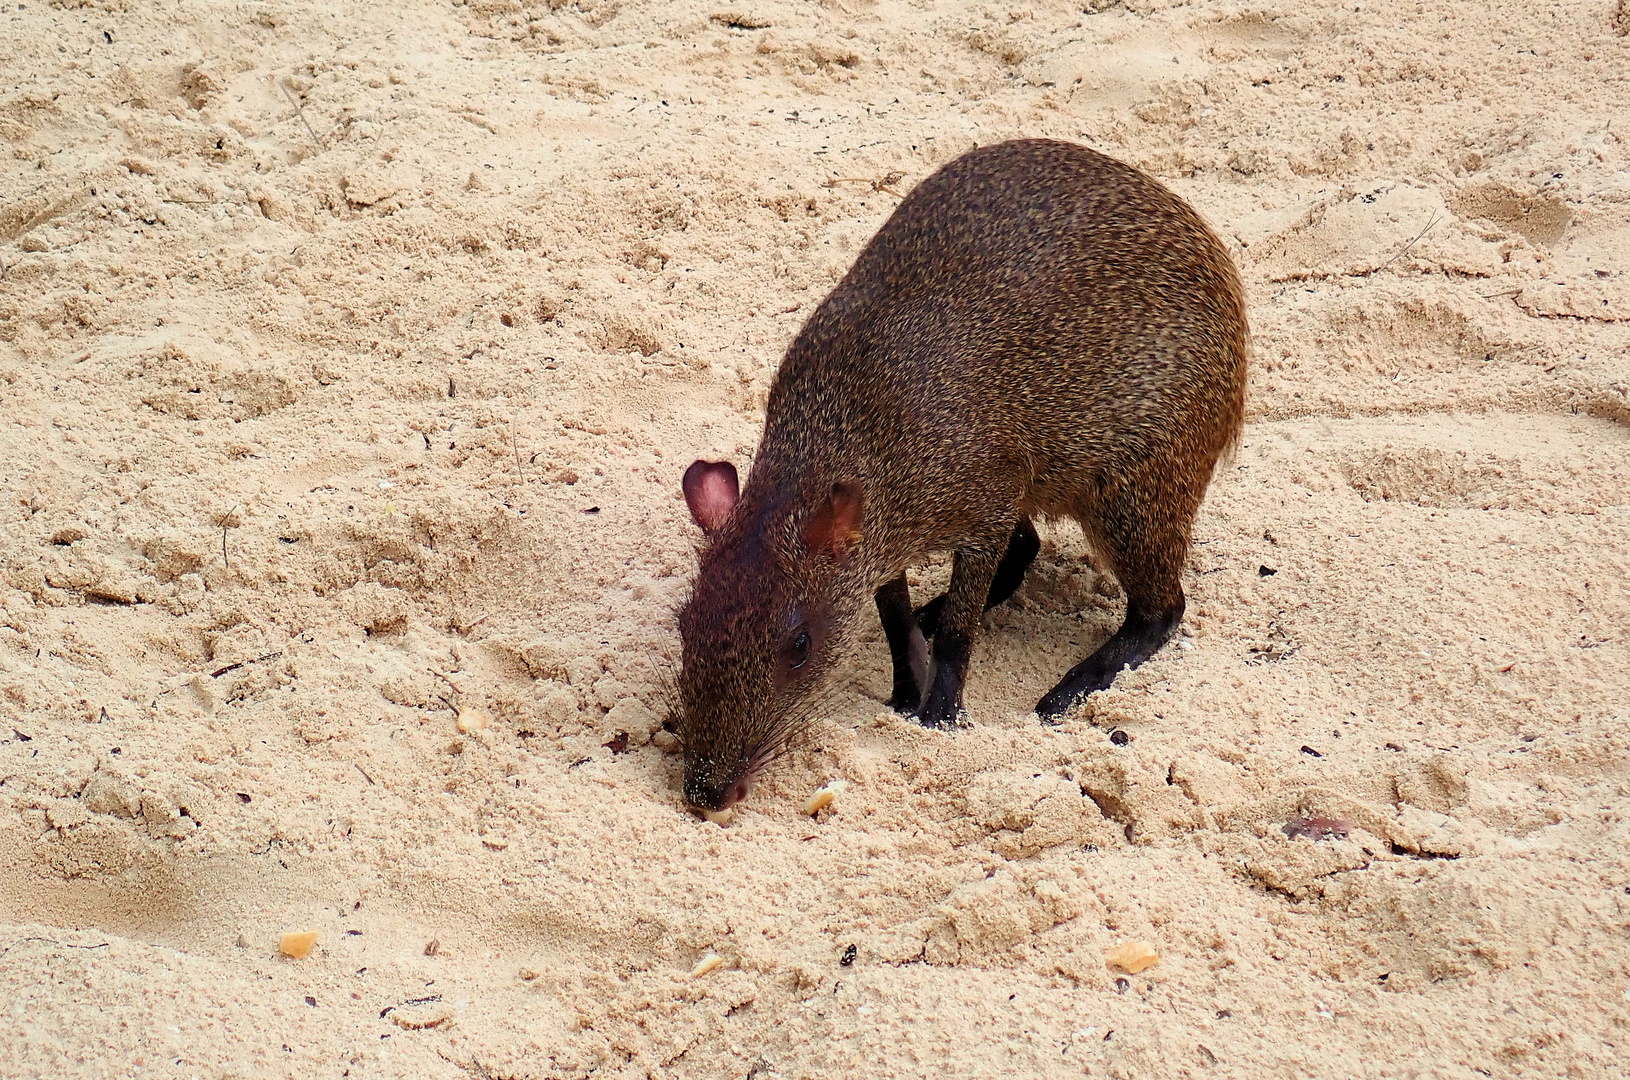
(1038, 329)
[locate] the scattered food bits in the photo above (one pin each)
(473, 718)
(709, 963)
(1133, 957)
(824, 796)
(528, 975)
(1317, 828)
(298, 945)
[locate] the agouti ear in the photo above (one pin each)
(836, 523)
(711, 492)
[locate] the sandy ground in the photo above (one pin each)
(351, 354)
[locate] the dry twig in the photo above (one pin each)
(301, 113)
(885, 184)
(226, 523)
(1433, 220)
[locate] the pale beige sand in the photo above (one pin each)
(321, 426)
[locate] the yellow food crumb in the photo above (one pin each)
(1133, 956)
(473, 718)
(297, 945)
(824, 796)
(711, 962)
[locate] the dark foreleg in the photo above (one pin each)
(907, 647)
(971, 575)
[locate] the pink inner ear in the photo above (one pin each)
(711, 491)
(836, 523)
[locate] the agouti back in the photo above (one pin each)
(1038, 329)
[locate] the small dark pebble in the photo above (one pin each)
(1395, 747)
(592, 510)
(849, 955)
(311, 1001)
(1122, 985)
(243, 796)
(618, 743)
(1265, 571)
(1119, 737)
(1308, 750)
(1317, 828)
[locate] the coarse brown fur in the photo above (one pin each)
(1038, 329)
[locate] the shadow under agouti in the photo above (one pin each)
(1038, 329)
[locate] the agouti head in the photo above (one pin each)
(763, 624)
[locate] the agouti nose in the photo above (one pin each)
(716, 797)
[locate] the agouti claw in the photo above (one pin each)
(942, 718)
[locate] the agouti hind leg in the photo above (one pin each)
(1140, 637)
(1141, 526)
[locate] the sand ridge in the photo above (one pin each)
(351, 356)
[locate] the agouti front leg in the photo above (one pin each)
(908, 649)
(1021, 552)
(971, 572)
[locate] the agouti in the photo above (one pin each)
(1038, 329)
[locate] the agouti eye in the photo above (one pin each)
(800, 649)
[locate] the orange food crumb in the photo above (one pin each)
(1133, 956)
(297, 945)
